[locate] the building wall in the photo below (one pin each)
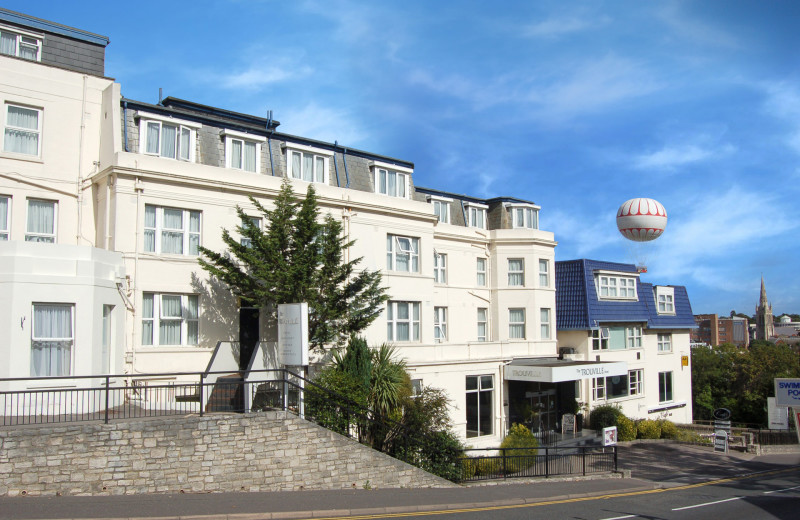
(270, 451)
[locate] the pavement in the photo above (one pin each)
(650, 465)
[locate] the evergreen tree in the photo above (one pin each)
(297, 258)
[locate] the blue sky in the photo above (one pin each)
(577, 106)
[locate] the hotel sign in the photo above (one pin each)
(293, 334)
(557, 373)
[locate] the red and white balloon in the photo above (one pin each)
(641, 219)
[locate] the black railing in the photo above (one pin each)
(504, 463)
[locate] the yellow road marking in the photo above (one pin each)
(561, 501)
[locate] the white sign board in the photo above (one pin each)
(778, 415)
(569, 372)
(610, 436)
(721, 441)
(293, 334)
(787, 391)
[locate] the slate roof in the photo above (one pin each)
(579, 308)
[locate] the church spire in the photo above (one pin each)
(763, 300)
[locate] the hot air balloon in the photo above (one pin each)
(641, 220)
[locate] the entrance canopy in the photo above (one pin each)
(556, 371)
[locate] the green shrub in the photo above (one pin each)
(668, 429)
(520, 448)
(626, 429)
(649, 429)
(604, 416)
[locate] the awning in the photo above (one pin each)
(557, 371)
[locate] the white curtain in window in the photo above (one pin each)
(52, 340)
(308, 167)
(169, 326)
(29, 52)
(415, 257)
(169, 136)
(24, 136)
(515, 272)
(402, 319)
(172, 241)
(150, 229)
(184, 145)
(194, 232)
(392, 184)
(41, 220)
(516, 319)
(249, 157)
(403, 256)
(8, 44)
(151, 146)
(147, 319)
(236, 154)
(192, 314)
(320, 169)
(296, 171)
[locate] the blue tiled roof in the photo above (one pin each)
(579, 308)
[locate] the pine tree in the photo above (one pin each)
(297, 258)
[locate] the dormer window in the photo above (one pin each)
(615, 287)
(476, 215)
(307, 163)
(22, 44)
(524, 216)
(665, 300)
(441, 207)
(390, 179)
(243, 151)
(167, 137)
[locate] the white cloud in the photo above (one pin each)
(695, 30)
(680, 154)
(783, 102)
(323, 123)
(259, 76)
(558, 27)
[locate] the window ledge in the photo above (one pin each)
(22, 157)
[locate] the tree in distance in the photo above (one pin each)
(296, 258)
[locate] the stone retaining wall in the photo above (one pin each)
(271, 451)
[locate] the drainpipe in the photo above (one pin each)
(344, 160)
(78, 231)
(269, 141)
(125, 124)
(335, 166)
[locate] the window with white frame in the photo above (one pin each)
(664, 387)
(42, 218)
(23, 130)
(391, 180)
(5, 218)
(633, 336)
(619, 287)
(170, 319)
(440, 324)
(441, 208)
(248, 223)
(483, 324)
(439, 267)
(167, 137)
(665, 342)
(516, 323)
(480, 392)
(616, 386)
(665, 296)
(172, 231)
(481, 272)
(416, 387)
(544, 273)
(52, 338)
(516, 272)
(243, 151)
(402, 254)
(600, 339)
(402, 321)
(525, 217)
(544, 323)
(476, 215)
(598, 388)
(22, 44)
(635, 384)
(307, 164)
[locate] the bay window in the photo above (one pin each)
(525, 217)
(544, 318)
(390, 179)
(168, 137)
(170, 319)
(544, 273)
(516, 272)
(307, 164)
(476, 215)
(516, 323)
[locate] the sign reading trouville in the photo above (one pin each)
(557, 372)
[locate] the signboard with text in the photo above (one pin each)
(293, 334)
(787, 391)
(778, 416)
(610, 436)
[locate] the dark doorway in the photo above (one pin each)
(248, 334)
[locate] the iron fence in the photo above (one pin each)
(504, 463)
